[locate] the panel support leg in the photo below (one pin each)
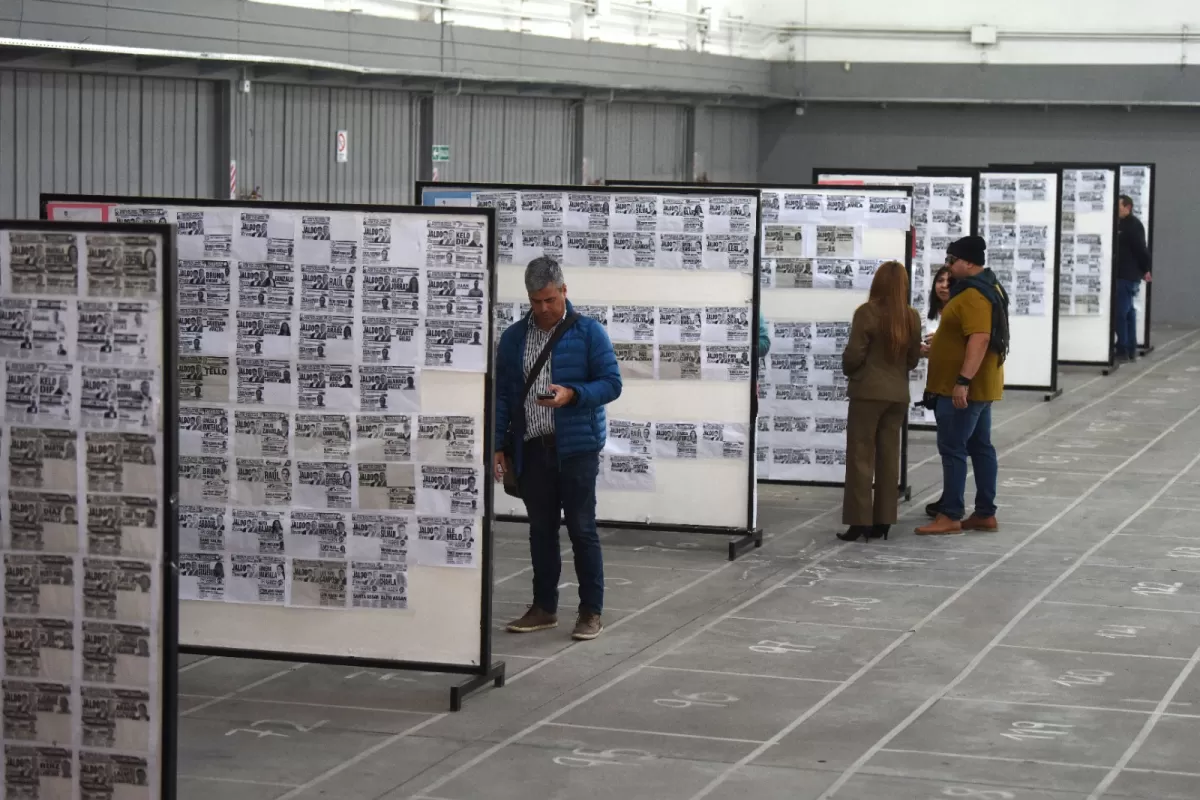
(738, 546)
(1055, 394)
(493, 675)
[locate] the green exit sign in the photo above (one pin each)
(441, 152)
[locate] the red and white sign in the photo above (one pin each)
(343, 147)
(232, 179)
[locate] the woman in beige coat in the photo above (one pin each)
(884, 346)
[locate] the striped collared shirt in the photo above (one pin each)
(539, 420)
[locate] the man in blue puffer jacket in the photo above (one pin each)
(556, 433)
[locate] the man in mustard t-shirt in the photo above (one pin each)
(966, 374)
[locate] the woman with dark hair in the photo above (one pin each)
(884, 346)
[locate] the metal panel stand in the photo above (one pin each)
(1052, 395)
(494, 675)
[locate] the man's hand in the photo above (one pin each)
(562, 396)
(960, 396)
(499, 466)
(925, 347)
(1147, 277)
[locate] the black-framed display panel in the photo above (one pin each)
(487, 671)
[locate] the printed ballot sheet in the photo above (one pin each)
(85, 533)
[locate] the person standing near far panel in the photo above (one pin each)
(884, 346)
(1133, 267)
(939, 295)
(966, 373)
(555, 372)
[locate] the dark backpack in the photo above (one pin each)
(989, 286)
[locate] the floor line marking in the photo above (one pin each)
(245, 688)
(365, 754)
(1143, 771)
(571, 706)
(656, 733)
(1147, 729)
(1035, 704)
(1122, 608)
(887, 738)
(832, 579)
(1007, 759)
(245, 781)
(825, 624)
(1089, 652)
(618, 565)
(1164, 535)
(497, 747)
(318, 705)
(197, 663)
(895, 644)
(743, 675)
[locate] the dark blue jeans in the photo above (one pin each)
(1127, 317)
(550, 489)
(962, 434)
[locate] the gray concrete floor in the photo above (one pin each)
(1053, 660)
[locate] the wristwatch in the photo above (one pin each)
(962, 381)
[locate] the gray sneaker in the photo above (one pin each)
(587, 627)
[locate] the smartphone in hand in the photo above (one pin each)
(546, 395)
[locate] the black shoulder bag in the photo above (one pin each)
(511, 487)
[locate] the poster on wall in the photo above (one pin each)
(1086, 242)
(88, 670)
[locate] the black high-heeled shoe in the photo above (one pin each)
(855, 532)
(879, 532)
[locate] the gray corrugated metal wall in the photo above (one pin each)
(508, 139)
(284, 137)
(636, 141)
(727, 144)
(104, 134)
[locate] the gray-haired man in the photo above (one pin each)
(556, 433)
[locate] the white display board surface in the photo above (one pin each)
(943, 210)
(89, 649)
(1137, 181)
(821, 247)
(1019, 217)
(1086, 264)
(333, 485)
(670, 273)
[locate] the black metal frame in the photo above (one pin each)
(487, 670)
(1148, 287)
(905, 488)
(916, 174)
(168, 632)
(1112, 365)
(1053, 390)
(748, 536)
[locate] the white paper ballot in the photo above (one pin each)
(621, 473)
(679, 324)
(632, 324)
(628, 437)
(725, 440)
(725, 363)
(727, 325)
(677, 440)
(635, 360)
(678, 362)
(893, 213)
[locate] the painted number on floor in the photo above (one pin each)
(262, 728)
(582, 757)
(1150, 589)
(1023, 731)
(779, 648)
(1120, 631)
(697, 700)
(857, 603)
(1083, 677)
(1022, 483)
(1185, 552)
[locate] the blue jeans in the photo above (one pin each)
(550, 489)
(1127, 317)
(963, 433)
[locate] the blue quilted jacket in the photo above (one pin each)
(582, 360)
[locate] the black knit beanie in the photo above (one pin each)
(969, 248)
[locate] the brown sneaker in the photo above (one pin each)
(587, 627)
(978, 523)
(941, 526)
(534, 620)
